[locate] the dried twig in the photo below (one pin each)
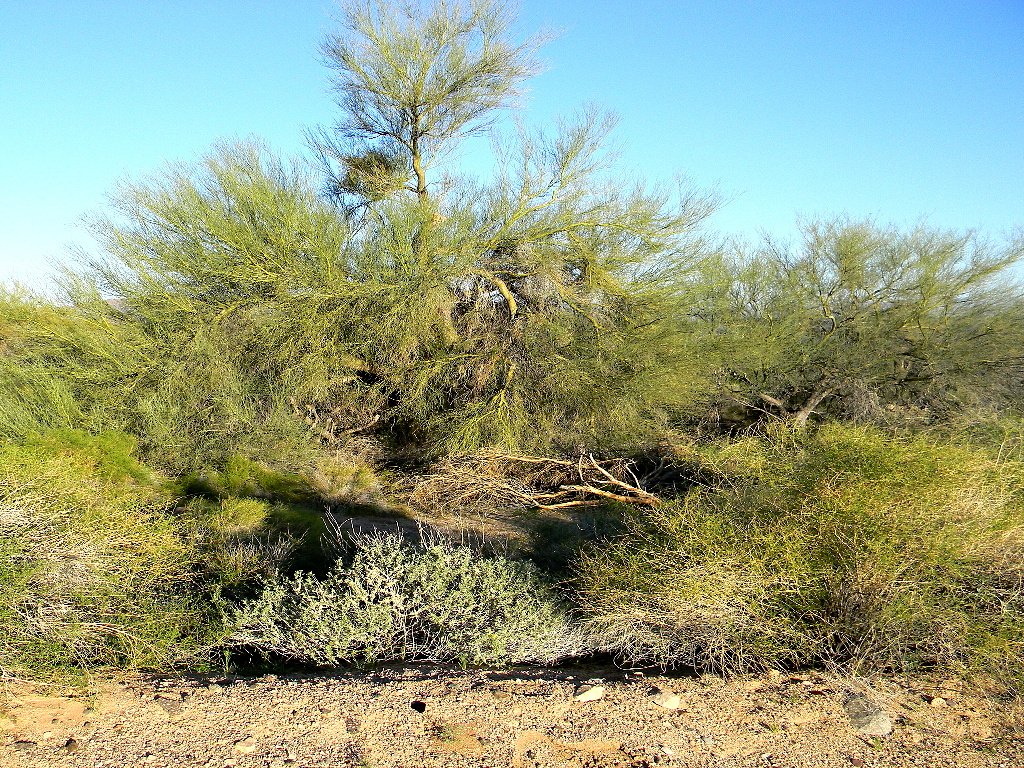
(500, 481)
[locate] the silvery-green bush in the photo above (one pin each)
(397, 600)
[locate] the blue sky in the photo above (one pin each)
(898, 110)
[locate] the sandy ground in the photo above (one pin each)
(429, 716)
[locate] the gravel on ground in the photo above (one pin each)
(412, 716)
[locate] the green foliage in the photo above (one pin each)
(842, 547)
(245, 351)
(194, 264)
(111, 455)
(242, 477)
(93, 571)
(93, 366)
(243, 541)
(539, 309)
(410, 82)
(878, 324)
(58, 366)
(396, 601)
(331, 480)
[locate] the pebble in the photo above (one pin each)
(245, 746)
(866, 716)
(664, 698)
(588, 692)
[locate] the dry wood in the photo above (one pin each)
(495, 482)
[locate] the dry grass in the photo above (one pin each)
(92, 569)
(495, 482)
(845, 547)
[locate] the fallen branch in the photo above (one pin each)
(499, 481)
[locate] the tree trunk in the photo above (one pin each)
(801, 416)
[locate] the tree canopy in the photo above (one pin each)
(553, 307)
(867, 321)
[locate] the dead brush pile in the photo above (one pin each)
(486, 483)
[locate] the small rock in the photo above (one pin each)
(71, 745)
(419, 706)
(245, 746)
(170, 706)
(857, 762)
(867, 718)
(937, 701)
(664, 698)
(588, 692)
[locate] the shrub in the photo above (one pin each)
(434, 601)
(244, 541)
(93, 570)
(845, 547)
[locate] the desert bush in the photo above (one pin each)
(93, 570)
(842, 547)
(89, 363)
(432, 600)
(243, 541)
(53, 363)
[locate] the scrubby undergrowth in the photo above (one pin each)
(93, 569)
(398, 600)
(842, 547)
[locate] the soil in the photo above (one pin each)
(527, 718)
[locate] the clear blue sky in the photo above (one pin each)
(897, 110)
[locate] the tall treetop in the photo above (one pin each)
(411, 79)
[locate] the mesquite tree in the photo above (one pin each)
(410, 83)
(550, 306)
(875, 323)
(543, 303)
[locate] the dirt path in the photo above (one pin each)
(525, 718)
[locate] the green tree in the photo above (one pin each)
(863, 320)
(543, 302)
(544, 307)
(411, 82)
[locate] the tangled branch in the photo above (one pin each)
(486, 482)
